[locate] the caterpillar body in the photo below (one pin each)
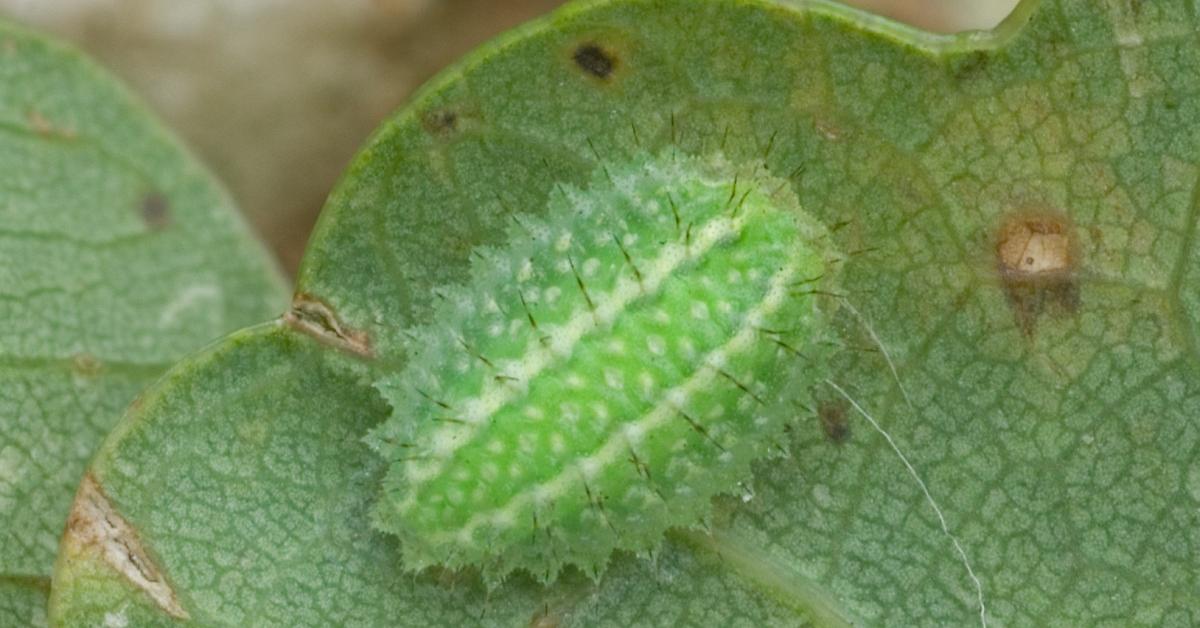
(619, 361)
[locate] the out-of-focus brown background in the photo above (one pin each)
(277, 95)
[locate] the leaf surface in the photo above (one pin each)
(118, 255)
(1009, 436)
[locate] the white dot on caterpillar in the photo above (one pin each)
(568, 412)
(717, 359)
(656, 345)
(563, 243)
(699, 310)
(634, 432)
(552, 293)
(526, 271)
(590, 266)
(534, 412)
(589, 467)
(503, 519)
(574, 381)
(614, 379)
(444, 443)
(558, 444)
(647, 382)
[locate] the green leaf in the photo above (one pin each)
(23, 600)
(118, 256)
(1009, 432)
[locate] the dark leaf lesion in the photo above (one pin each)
(835, 423)
(595, 61)
(441, 121)
(155, 211)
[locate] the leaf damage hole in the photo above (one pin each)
(311, 316)
(1037, 263)
(94, 525)
(595, 60)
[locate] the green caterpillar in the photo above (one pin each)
(602, 375)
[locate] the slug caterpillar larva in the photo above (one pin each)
(620, 360)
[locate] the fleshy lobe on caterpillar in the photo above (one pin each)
(618, 362)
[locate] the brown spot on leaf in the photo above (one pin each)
(42, 126)
(86, 364)
(595, 60)
(156, 212)
(95, 527)
(311, 316)
(970, 66)
(1037, 262)
(441, 121)
(828, 129)
(834, 421)
(39, 123)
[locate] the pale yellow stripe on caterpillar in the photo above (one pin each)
(618, 443)
(564, 338)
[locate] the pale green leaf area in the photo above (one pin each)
(996, 445)
(118, 256)
(23, 600)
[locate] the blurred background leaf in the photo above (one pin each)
(277, 95)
